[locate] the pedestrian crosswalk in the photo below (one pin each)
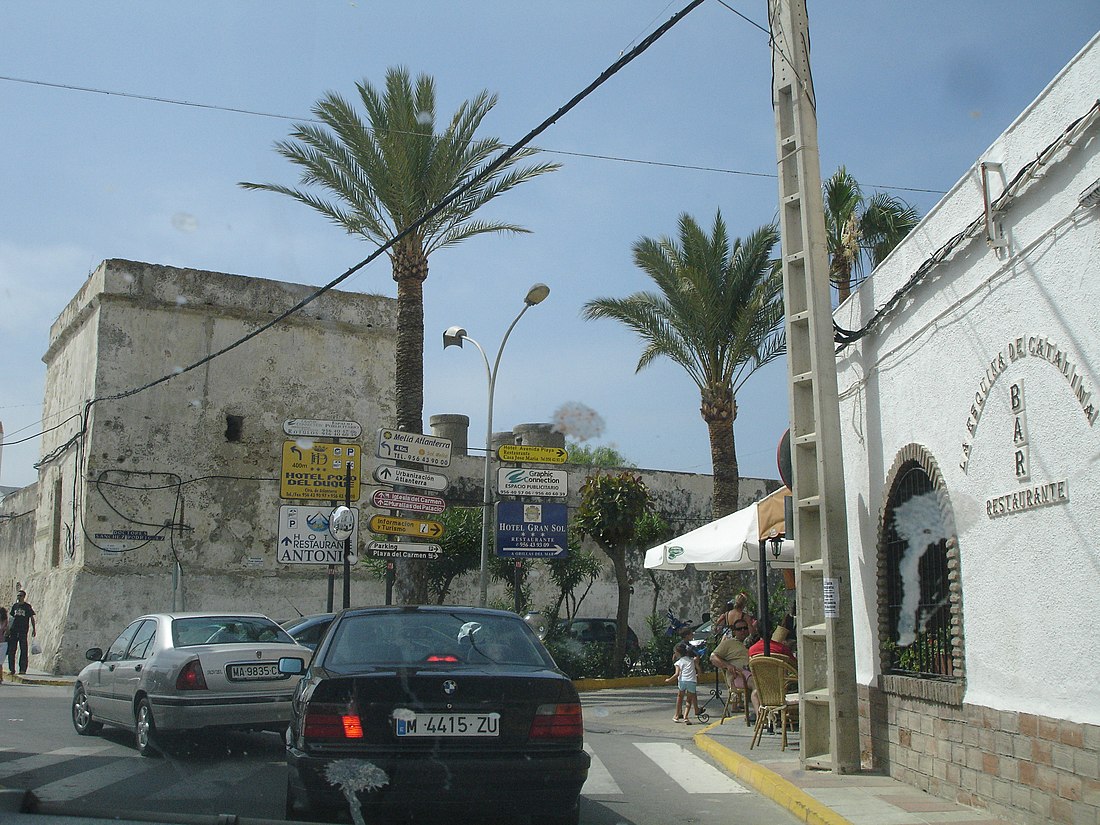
(77, 773)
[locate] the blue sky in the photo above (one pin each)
(909, 95)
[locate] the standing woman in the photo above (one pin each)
(735, 611)
(3, 640)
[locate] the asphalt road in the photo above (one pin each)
(645, 771)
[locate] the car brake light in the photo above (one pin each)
(332, 722)
(191, 677)
(557, 722)
(449, 658)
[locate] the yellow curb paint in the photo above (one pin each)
(624, 682)
(772, 785)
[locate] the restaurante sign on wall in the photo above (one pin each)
(1026, 347)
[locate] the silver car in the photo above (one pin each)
(169, 673)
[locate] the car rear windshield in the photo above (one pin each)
(226, 630)
(433, 639)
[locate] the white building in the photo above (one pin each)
(969, 408)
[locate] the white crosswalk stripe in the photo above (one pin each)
(690, 772)
(599, 782)
(90, 781)
(213, 781)
(45, 760)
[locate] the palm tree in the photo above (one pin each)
(384, 174)
(718, 313)
(861, 232)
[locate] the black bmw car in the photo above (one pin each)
(434, 711)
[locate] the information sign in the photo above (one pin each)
(531, 481)
(322, 429)
(403, 550)
(318, 471)
(421, 449)
(390, 500)
(529, 454)
(532, 530)
(393, 526)
(404, 477)
(304, 536)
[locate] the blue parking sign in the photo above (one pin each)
(532, 530)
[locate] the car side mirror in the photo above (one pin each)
(292, 665)
(94, 654)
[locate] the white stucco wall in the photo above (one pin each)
(1031, 579)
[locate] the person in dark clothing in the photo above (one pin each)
(21, 620)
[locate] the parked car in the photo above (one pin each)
(438, 712)
(168, 673)
(308, 630)
(601, 631)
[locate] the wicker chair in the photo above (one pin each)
(735, 693)
(773, 675)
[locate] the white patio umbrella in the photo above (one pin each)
(729, 543)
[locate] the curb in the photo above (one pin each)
(770, 784)
(623, 682)
(58, 681)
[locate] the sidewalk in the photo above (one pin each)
(815, 797)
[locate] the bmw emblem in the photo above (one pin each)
(449, 687)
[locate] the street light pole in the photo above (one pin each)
(454, 337)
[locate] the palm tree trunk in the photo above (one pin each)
(719, 413)
(410, 268)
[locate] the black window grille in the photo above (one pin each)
(918, 608)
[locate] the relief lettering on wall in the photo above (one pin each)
(1025, 347)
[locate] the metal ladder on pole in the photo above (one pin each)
(828, 707)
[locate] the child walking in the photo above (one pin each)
(686, 677)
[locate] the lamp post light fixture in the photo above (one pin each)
(453, 337)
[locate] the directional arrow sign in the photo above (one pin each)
(403, 550)
(405, 477)
(525, 453)
(405, 527)
(423, 449)
(389, 500)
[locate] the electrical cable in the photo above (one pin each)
(38, 435)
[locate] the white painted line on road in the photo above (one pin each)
(599, 782)
(209, 783)
(86, 782)
(48, 759)
(690, 772)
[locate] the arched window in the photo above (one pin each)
(920, 617)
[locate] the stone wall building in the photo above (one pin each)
(969, 404)
(162, 488)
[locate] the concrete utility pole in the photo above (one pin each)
(829, 722)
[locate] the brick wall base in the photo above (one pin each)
(1021, 767)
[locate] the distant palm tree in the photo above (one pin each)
(860, 231)
(718, 313)
(384, 174)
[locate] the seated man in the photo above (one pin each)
(732, 656)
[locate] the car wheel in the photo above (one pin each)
(82, 714)
(145, 729)
(573, 817)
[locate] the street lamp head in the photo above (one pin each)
(453, 336)
(536, 294)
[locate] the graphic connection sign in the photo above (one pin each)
(304, 536)
(535, 531)
(422, 449)
(317, 469)
(531, 481)
(530, 454)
